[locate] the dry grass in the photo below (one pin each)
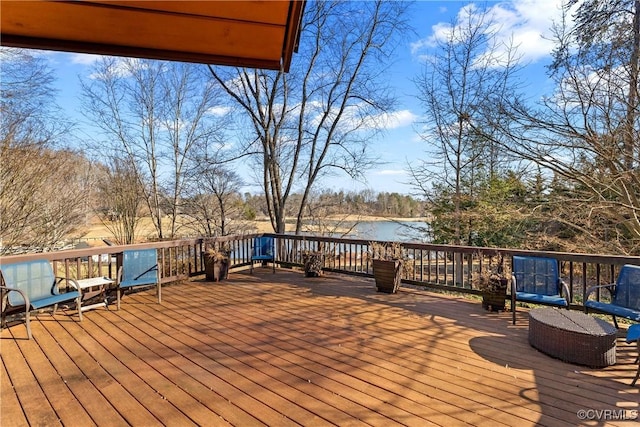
(95, 230)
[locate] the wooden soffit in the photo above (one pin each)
(256, 34)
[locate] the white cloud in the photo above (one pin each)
(121, 67)
(83, 58)
(524, 23)
(393, 120)
(352, 117)
(219, 111)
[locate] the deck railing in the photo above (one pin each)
(444, 267)
(177, 259)
(449, 267)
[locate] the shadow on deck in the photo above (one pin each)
(281, 349)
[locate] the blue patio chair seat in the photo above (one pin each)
(139, 268)
(625, 296)
(614, 310)
(32, 285)
(541, 299)
(263, 250)
(537, 280)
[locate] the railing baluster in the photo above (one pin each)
(182, 258)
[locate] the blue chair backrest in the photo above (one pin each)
(140, 267)
(262, 248)
(627, 292)
(35, 278)
(536, 275)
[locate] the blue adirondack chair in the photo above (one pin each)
(32, 285)
(263, 250)
(625, 296)
(139, 268)
(537, 280)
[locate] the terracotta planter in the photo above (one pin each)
(387, 275)
(216, 270)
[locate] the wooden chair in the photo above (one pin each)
(537, 280)
(32, 285)
(625, 296)
(139, 268)
(263, 250)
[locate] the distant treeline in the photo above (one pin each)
(364, 202)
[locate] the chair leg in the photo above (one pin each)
(79, 305)
(513, 308)
(27, 322)
(638, 362)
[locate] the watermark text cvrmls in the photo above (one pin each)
(607, 414)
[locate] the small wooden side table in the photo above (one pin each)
(94, 287)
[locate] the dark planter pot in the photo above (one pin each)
(313, 264)
(495, 300)
(387, 275)
(216, 270)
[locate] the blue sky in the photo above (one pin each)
(527, 22)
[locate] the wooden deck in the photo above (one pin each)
(281, 349)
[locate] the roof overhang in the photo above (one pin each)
(256, 34)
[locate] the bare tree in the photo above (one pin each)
(42, 196)
(214, 207)
(467, 72)
(120, 198)
(587, 133)
(29, 113)
(320, 117)
(155, 113)
(41, 188)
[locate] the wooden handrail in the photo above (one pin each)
(447, 267)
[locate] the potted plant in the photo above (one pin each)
(493, 283)
(313, 263)
(387, 260)
(216, 263)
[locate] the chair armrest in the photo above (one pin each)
(56, 284)
(21, 292)
(610, 287)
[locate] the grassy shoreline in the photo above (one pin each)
(96, 230)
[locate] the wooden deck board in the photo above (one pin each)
(280, 349)
(62, 400)
(11, 412)
(114, 402)
(36, 407)
(238, 362)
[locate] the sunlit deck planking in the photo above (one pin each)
(280, 349)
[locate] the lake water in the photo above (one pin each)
(398, 231)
